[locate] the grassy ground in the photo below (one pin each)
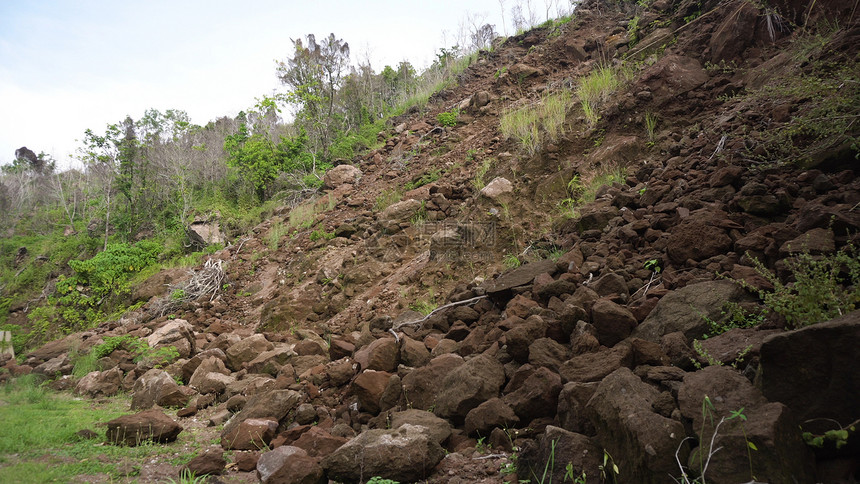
(38, 441)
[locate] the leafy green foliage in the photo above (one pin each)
(380, 480)
(448, 118)
(321, 234)
(824, 287)
(262, 161)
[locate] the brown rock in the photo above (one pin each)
(317, 442)
(595, 366)
(149, 425)
(422, 384)
(289, 465)
(210, 462)
(494, 413)
(369, 387)
(612, 322)
(250, 434)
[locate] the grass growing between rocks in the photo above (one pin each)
(582, 189)
(536, 124)
(38, 441)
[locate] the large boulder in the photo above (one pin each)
(537, 396)
(814, 371)
(595, 366)
(421, 385)
(211, 376)
(289, 465)
(246, 350)
(633, 434)
(340, 175)
(494, 413)
(686, 310)
(250, 434)
(369, 387)
(100, 383)
(469, 385)
(613, 322)
(150, 425)
(562, 448)
(405, 454)
(157, 387)
(437, 428)
(274, 404)
(782, 457)
(177, 333)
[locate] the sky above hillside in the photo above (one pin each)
(66, 66)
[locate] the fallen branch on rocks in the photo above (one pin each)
(440, 308)
(205, 282)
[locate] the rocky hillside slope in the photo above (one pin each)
(457, 289)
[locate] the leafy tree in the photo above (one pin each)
(314, 74)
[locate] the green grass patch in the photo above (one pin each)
(536, 124)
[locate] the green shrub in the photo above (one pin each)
(448, 118)
(320, 234)
(823, 287)
(425, 179)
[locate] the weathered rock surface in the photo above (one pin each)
(405, 454)
(685, 310)
(149, 425)
(806, 370)
(628, 428)
(468, 385)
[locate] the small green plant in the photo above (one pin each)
(650, 127)
(425, 179)
(177, 294)
(379, 480)
(421, 216)
(511, 261)
(188, 477)
(707, 447)
(835, 438)
(712, 361)
(387, 198)
(633, 31)
(321, 234)
(595, 88)
(425, 306)
(608, 468)
(653, 265)
(479, 183)
(277, 231)
(570, 475)
(448, 118)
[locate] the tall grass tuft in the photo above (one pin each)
(535, 124)
(595, 88)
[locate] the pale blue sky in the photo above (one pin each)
(69, 65)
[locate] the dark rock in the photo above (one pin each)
(246, 350)
(380, 355)
(494, 413)
(273, 404)
(685, 310)
(422, 384)
(437, 428)
(632, 433)
(520, 276)
(317, 442)
(547, 352)
(210, 462)
(405, 454)
(521, 337)
(734, 34)
(697, 241)
(468, 385)
(250, 434)
(813, 371)
(368, 387)
(537, 397)
(558, 445)
(100, 383)
(782, 455)
(149, 425)
(612, 322)
(595, 366)
(289, 465)
(150, 386)
(571, 407)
